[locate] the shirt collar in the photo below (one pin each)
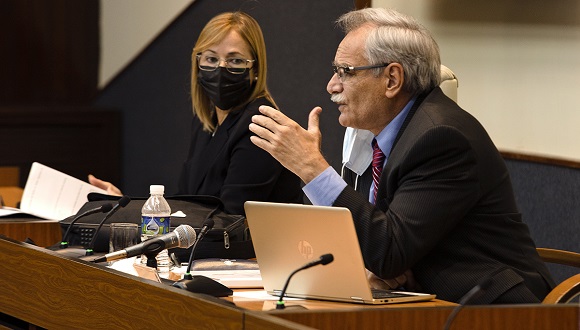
(387, 136)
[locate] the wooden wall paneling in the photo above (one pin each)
(508, 317)
(42, 232)
(53, 55)
(74, 140)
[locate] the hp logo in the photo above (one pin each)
(305, 250)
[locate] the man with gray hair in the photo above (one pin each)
(439, 214)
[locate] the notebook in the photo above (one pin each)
(288, 236)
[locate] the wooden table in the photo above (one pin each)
(43, 232)
(420, 315)
(43, 288)
(303, 304)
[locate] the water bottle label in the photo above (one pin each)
(152, 226)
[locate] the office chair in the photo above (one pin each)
(569, 288)
(10, 192)
(10, 196)
(9, 176)
(449, 83)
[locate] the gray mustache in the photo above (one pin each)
(338, 98)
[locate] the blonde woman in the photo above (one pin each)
(228, 84)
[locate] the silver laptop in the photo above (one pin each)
(288, 236)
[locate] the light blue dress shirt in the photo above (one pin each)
(325, 188)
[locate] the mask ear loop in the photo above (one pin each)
(355, 178)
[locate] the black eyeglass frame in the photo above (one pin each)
(348, 69)
(230, 69)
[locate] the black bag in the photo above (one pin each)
(229, 238)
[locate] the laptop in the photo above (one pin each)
(288, 236)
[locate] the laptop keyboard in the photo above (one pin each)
(381, 294)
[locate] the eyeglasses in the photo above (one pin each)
(209, 62)
(345, 71)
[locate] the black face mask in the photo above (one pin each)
(225, 89)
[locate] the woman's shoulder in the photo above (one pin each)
(251, 109)
(240, 120)
(255, 104)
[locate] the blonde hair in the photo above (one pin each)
(214, 32)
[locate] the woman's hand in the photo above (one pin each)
(109, 187)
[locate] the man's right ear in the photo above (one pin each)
(395, 76)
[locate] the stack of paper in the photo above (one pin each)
(52, 195)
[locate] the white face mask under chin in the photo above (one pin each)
(357, 152)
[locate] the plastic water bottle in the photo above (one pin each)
(155, 220)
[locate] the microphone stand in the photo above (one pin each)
(152, 259)
(122, 203)
(200, 283)
(280, 303)
(83, 253)
(77, 252)
(103, 208)
(475, 292)
(324, 259)
(207, 226)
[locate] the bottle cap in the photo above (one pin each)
(156, 189)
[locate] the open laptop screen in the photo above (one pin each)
(287, 236)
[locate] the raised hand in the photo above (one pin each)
(294, 147)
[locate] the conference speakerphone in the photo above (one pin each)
(86, 235)
(82, 234)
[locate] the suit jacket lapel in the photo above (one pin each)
(381, 201)
(410, 115)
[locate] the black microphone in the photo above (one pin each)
(120, 204)
(207, 226)
(103, 208)
(324, 259)
(475, 292)
(181, 237)
(200, 283)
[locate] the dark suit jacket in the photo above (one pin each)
(228, 165)
(446, 210)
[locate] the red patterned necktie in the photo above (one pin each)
(378, 160)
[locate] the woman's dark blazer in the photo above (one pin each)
(228, 165)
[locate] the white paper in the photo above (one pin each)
(53, 195)
(233, 279)
(6, 211)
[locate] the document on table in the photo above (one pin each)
(52, 195)
(233, 279)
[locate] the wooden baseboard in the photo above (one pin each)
(540, 159)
